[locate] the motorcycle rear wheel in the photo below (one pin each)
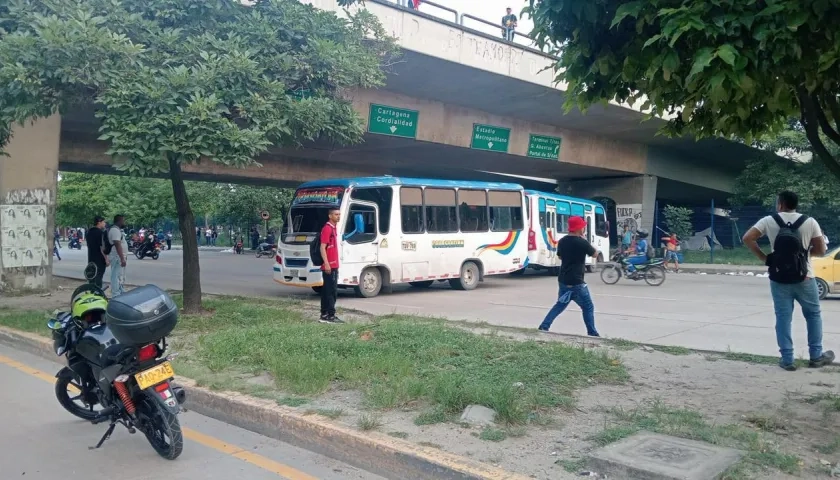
(654, 275)
(161, 427)
(63, 384)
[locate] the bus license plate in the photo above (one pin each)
(295, 272)
(153, 376)
(300, 238)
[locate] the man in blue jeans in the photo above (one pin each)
(572, 250)
(793, 239)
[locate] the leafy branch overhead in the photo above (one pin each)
(732, 68)
(189, 79)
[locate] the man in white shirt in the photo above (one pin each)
(785, 287)
(118, 256)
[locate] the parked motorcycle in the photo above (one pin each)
(117, 371)
(652, 272)
(142, 252)
(266, 250)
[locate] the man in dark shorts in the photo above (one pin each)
(95, 248)
(573, 250)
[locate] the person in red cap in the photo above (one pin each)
(573, 250)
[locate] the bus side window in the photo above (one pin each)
(383, 198)
(441, 210)
(563, 210)
(600, 222)
(542, 213)
(361, 227)
(411, 209)
(505, 211)
(472, 213)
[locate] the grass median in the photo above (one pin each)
(394, 361)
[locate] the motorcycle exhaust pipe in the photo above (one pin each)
(180, 394)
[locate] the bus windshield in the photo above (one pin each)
(309, 212)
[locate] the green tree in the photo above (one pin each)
(678, 220)
(181, 81)
(732, 68)
(79, 198)
(242, 204)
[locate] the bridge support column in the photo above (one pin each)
(28, 182)
(624, 191)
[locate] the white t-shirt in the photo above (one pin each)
(808, 231)
(115, 236)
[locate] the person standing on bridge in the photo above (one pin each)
(329, 267)
(793, 238)
(573, 250)
(509, 23)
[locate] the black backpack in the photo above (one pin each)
(315, 250)
(108, 246)
(789, 261)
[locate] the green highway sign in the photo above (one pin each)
(488, 137)
(393, 121)
(541, 146)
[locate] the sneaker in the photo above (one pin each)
(332, 319)
(541, 329)
(790, 367)
(324, 319)
(596, 334)
(827, 358)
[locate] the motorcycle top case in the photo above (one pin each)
(141, 316)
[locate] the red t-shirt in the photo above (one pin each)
(329, 235)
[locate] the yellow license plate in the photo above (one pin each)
(300, 238)
(153, 376)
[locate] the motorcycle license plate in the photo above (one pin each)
(153, 376)
(295, 273)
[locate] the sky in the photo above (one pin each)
(491, 10)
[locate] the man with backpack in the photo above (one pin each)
(324, 253)
(117, 250)
(793, 237)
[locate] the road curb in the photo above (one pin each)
(374, 452)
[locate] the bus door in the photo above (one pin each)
(590, 221)
(551, 230)
(360, 237)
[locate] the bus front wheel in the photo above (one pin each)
(468, 279)
(370, 283)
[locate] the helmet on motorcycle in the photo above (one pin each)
(642, 233)
(89, 305)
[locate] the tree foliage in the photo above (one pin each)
(242, 204)
(727, 68)
(678, 220)
(182, 81)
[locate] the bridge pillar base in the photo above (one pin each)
(640, 190)
(28, 183)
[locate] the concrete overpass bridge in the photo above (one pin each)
(460, 104)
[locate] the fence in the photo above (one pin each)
(712, 233)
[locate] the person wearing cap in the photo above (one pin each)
(96, 248)
(573, 250)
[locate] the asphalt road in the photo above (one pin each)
(707, 312)
(41, 441)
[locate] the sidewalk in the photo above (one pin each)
(723, 269)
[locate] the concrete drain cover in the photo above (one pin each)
(649, 456)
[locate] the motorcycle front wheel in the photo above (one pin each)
(654, 275)
(155, 256)
(610, 274)
(161, 427)
(71, 395)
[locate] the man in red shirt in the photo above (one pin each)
(329, 269)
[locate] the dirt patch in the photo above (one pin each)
(57, 298)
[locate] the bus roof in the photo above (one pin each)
(388, 181)
(557, 196)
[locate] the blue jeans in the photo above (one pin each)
(117, 276)
(806, 294)
(580, 295)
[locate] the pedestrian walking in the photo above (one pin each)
(329, 269)
(671, 243)
(117, 255)
(169, 240)
(573, 250)
(95, 239)
(793, 239)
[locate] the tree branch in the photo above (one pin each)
(810, 122)
(825, 125)
(834, 108)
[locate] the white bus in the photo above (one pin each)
(406, 230)
(550, 222)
